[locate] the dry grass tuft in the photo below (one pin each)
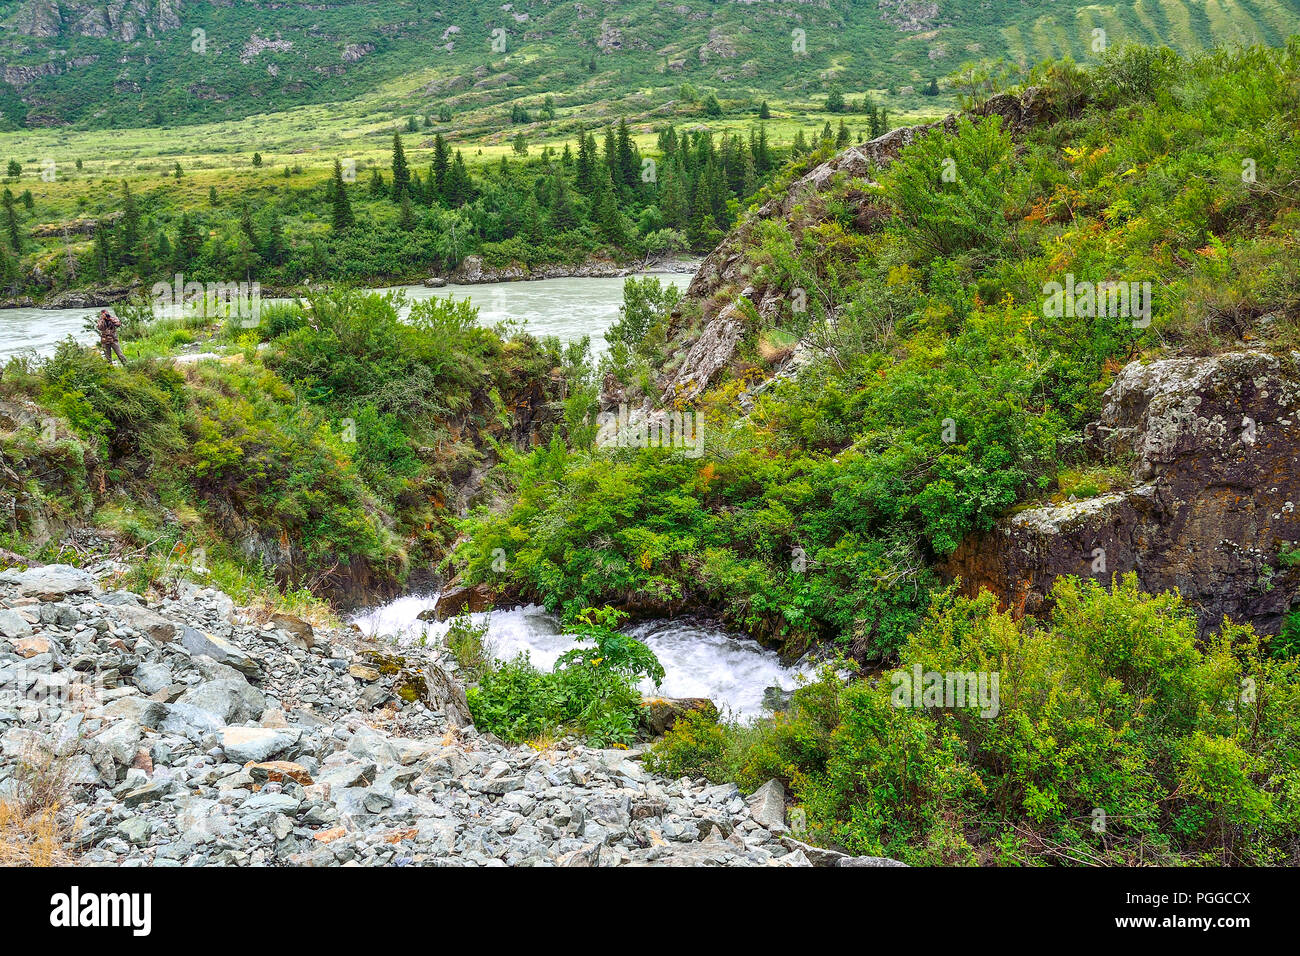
(30, 831)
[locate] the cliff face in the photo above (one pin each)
(1214, 450)
(123, 20)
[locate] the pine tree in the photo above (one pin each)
(611, 154)
(11, 223)
(246, 225)
(102, 252)
(933, 89)
(748, 177)
(762, 152)
(189, 241)
(668, 140)
(764, 112)
(604, 210)
(626, 156)
(273, 246)
(563, 215)
(441, 164)
(8, 269)
(842, 137)
(585, 169)
(674, 197)
(460, 188)
(401, 173)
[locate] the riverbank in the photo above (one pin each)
(472, 271)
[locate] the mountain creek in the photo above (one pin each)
(700, 659)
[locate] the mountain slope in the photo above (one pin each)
(181, 61)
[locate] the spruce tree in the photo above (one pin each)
(273, 247)
(441, 165)
(604, 210)
(626, 156)
(563, 215)
(460, 188)
(401, 173)
(585, 167)
(246, 225)
(11, 223)
(341, 210)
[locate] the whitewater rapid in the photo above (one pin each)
(700, 659)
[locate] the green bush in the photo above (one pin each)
(591, 691)
(470, 646)
(1108, 711)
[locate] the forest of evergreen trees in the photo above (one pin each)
(598, 197)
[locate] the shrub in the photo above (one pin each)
(470, 646)
(591, 691)
(1110, 707)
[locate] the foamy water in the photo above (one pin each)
(700, 660)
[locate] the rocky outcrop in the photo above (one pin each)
(724, 276)
(316, 756)
(1214, 450)
(909, 16)
(123, 20)
(456, 600)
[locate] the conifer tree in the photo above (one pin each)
(401, 173)
(441, 165)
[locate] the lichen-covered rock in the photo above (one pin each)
(1214, 445)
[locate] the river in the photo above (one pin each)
(566, 308)
(700, 659)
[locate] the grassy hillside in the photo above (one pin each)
(89, 65)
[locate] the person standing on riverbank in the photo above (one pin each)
(108, 324)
